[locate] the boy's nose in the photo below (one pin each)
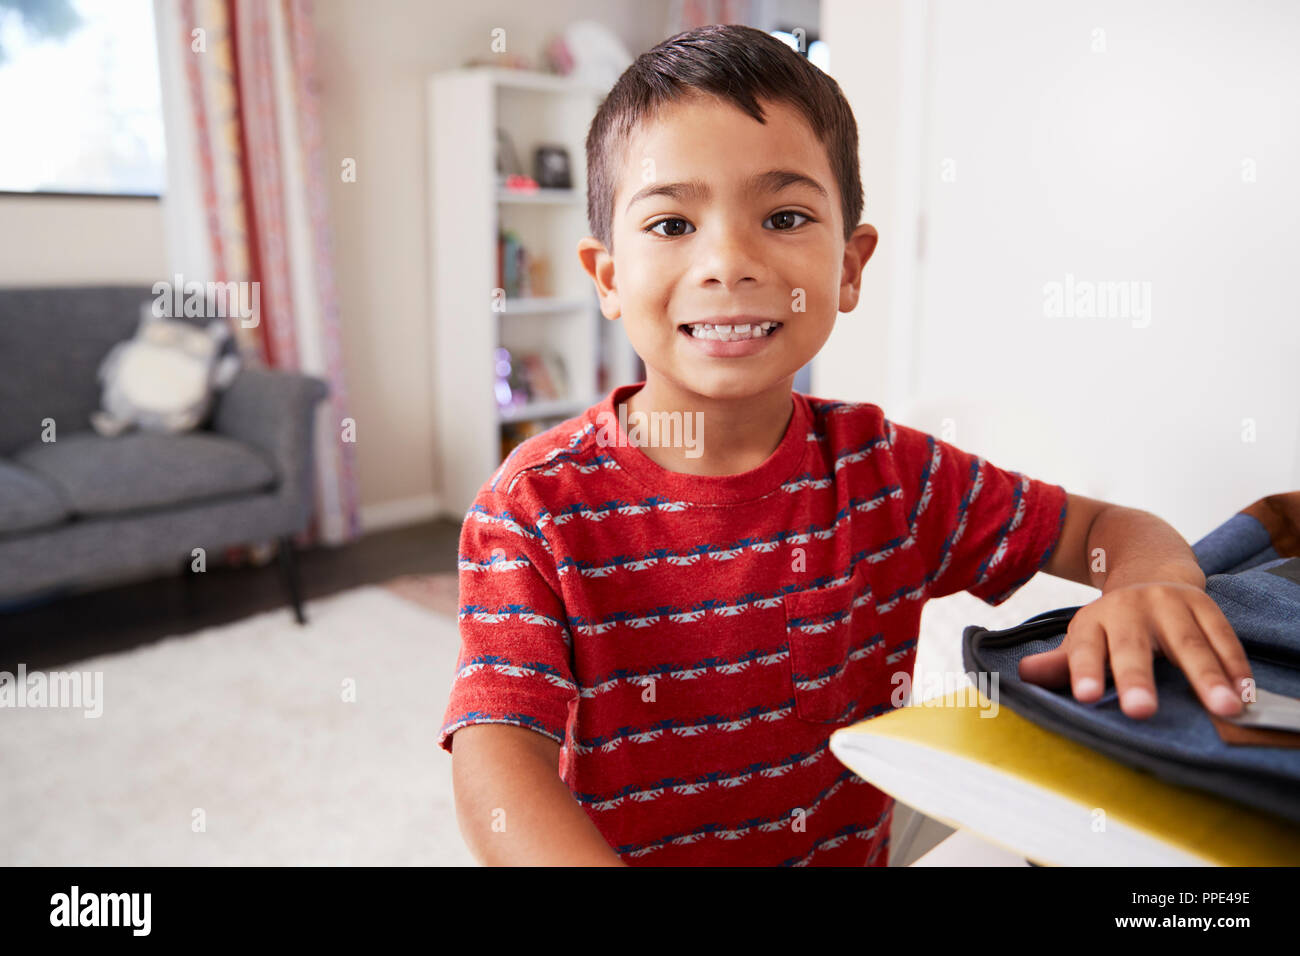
(728, 259)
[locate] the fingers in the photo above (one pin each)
(1082, 654)
(1228, 649)
(1086, 645)
(1080, 661)
(1191, 632)
(1046, 668)
(1186, 643)
(1130, 661)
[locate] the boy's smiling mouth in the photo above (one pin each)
(735, 331)
(723, 340)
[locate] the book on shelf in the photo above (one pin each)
(509, 250)
(540, 385)
(520, 273)
(537, 376)
(557, 373)
(514, 434)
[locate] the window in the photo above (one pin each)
(80, 104)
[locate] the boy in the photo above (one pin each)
(679, 626)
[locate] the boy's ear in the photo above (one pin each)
(865, 238)
(856, 253)
(599, 264)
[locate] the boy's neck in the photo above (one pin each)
(734, 436)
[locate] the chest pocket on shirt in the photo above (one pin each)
(837, 652)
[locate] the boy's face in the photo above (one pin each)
(767, 250)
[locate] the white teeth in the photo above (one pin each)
(728, 333)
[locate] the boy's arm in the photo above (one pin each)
(1131, 546)
(513, 690)
(512, 805)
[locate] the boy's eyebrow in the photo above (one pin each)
(772, 181)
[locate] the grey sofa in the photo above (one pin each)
(85, 510)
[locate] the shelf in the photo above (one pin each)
(533, 80)
(539, 196)
(537, 306)
(469, 208)
(561, 407)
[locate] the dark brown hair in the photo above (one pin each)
(739, 64)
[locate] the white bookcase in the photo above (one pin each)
(470, 317)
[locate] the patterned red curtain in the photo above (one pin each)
(246, 202)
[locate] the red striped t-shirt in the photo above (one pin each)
(691, 641)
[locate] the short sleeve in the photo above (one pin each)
(515, 662)
(977, 527)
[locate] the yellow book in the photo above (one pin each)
(1049, 798)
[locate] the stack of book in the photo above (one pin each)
(536, 376)
(520, 273)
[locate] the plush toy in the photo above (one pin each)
(164, 379)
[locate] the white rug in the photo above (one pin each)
(247, 723)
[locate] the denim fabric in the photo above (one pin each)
(1248, 580)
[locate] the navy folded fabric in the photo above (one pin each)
(1252, 568)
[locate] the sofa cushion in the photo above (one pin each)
(27, 501)
(96, 475)
(51, 343)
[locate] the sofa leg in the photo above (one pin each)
(289, 565)
(188, 586)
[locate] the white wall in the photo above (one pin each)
(876, 57)
(68, 240)
(375, 58)
(1040, 158)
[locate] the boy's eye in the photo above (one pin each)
(655, 225)
(776, 215)
(789, 212)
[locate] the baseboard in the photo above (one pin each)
(400, 512)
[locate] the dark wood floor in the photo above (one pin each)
(118, 618)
